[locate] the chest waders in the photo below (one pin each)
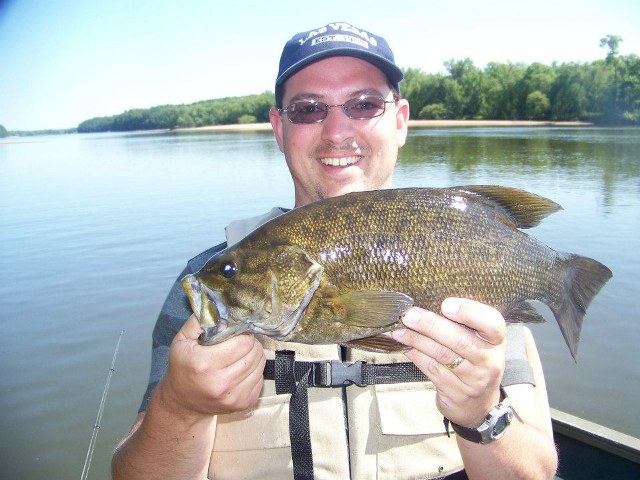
(296, 377)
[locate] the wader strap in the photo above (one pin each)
(296, 377)
(287, 381)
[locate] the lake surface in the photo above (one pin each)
(94, 229)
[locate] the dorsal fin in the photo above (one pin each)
(524, 208)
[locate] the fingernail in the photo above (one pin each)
(450, 307)
(411, 317)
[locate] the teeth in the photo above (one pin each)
(340, 161)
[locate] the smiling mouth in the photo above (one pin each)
(340, 161)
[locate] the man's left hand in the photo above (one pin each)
(462, 351)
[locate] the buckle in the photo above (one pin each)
(345, 374)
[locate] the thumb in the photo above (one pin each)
(191, 329)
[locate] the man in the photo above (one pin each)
(339, 122)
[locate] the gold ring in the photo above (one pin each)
(454, 364)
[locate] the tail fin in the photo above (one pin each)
(585, 277)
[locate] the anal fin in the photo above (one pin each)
(377, 343)
(523, 312)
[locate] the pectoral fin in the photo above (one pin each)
(371, 308)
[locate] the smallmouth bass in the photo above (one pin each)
(345, 269)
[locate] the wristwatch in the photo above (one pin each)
(493, 426)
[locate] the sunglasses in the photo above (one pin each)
(361, 108)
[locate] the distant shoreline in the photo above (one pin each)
(265, 127)
(261, 127)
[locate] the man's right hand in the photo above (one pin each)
(213, 379)
(174, 437)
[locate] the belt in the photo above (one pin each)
(296, 377)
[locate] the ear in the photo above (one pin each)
(276, 124)
(402, 121)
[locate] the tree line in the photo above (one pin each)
(605, 92)
(32, 133)
(221, 111)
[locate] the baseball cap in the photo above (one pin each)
(335, 39)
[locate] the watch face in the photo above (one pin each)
(501, 423)
(500, 426)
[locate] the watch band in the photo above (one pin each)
(493, 426)
(471, 434)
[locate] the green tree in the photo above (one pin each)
(503, 80)
(471, 102)
(454, 100)
(612, 42)
(421, 89)
(435, 111)
(537, 78)
(185, 120)
(3, 131)
(568, 93)
(537, 106)
(598, 81)
(247, 119)
(630, 89)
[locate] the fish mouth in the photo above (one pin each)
(211, 312)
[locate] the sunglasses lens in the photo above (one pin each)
(361, 108)
(307, 112)
(365, 107)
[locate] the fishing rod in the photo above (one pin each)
(96, 427)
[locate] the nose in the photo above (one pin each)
(337, 126)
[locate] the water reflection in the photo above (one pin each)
(601, 156)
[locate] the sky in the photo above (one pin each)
(65, 61)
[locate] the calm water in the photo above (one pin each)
(94, 228)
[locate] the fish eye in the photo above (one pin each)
(228, 269)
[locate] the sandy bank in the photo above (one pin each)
(494, 123)
(238, 127)
(260, 127)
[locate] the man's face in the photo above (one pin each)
(365, 150)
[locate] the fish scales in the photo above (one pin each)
(436, 254)
(346, 268)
